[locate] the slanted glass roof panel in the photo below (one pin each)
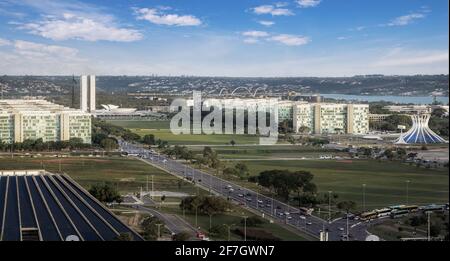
(11, 228)
(102, 227)
(36, 205)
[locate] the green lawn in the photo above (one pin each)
(269, 152)
(385, 181)
(189, 139)
(154, 125)
(129, 174)
(161, 130)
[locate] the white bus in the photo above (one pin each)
(385, 212)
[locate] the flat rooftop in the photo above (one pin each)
(17, 106)
(39, 206)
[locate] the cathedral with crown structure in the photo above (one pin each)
(420, 133)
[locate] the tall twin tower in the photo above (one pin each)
(87, 93)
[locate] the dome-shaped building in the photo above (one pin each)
(420, 133)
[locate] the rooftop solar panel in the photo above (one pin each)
(51, 207)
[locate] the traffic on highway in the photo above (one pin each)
(268, 207)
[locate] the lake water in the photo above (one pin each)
(394, 99)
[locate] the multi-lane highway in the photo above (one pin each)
(265, 206)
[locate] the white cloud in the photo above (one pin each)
(401, 58)
(308, 3)
(27, 57)
(72, 26)
(255, 34)
(174, 60)
(406, 19)
(359, 28)
(341, 38)
(158, 17)
(57, 7)
(281, 4)
(272, 10)
(32, 49)
(290, 40)
(4, 42)
(266, 23)
(251, 40)
(10, 13)
(253, 37)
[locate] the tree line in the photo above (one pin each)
(40, 145)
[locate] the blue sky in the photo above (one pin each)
(224, 38)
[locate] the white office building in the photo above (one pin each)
(331, 118)
(22, 120)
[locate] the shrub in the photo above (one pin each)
(257, 234)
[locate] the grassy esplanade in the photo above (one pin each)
(161, 130)
(385, 181)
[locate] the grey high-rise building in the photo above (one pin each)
(87, 93)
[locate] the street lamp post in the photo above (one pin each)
(196, 216)
(153, 186)
(329, 206)
(364, 197)
(159, 230)
(272, 204)
(245, 228)
(407, 191)
(229, 230)
(347, 226)
(429, 226)
(210, 222)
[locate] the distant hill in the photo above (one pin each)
(420, 85)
